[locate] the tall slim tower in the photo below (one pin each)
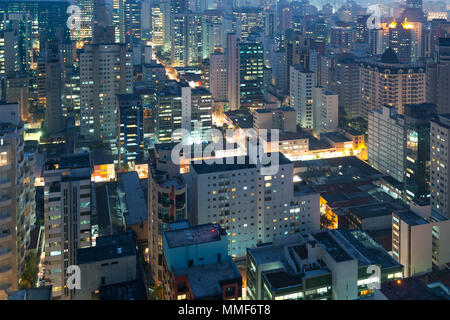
(233, 76)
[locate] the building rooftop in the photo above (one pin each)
(76, 160)
(136, 203)
(131, 290)
(108, 247)
(195, 235)
(41, 293)
(376, 209)
(210, 274)
(368, 251)
(408, 289)
(279, 279)
(411, 218)
(241, 118)
(332, 246)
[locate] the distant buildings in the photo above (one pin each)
(301, 83)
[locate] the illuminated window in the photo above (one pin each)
(3, 158)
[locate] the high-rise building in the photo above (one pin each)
(105, 70)
(17, 194)
(280, 70)
(131, 136)
(417, 150)
(67, 217)
(386, 142)
(158, 20)
(439, 164)
(344, 80)
(438, 76)
(54, 121)
(196, 114)
(169, 113)
(251, 61)
(85, 32)
(389, 82)
(126, 21)
(326, 110)
(252, 208)
(302, 81)
(167, 202)
(233, 72)
(218, 77)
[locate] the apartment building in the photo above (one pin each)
(17, 194)
(67, 217)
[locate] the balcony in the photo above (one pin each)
(5, 253)
(5, 237)
(5, 271)
(5, 184)
(5, 217)
(5, 201)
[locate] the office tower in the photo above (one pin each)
(406, 39)
(326, 110)
(233, 70)
(196, 114)
(344, 80)
(301, 86)
(68, 217)
(251, 60)
(218, 76)
(215, 27)
(378, 41)
(48, 19)
(251, 208)
(131, 137)
(439, 78)
(126, 21)
(9, 52)
(17, 194)
(386, 142)
(389, 82)
(247, 19)
(147, 18)
(417, 150)
(197, 265)
(167, 202)
(328, 265)
(169, 111)
(343, 36)
(54, 121)
(414, 11)
(85, 32)
(194, 39)
(269, 23)
(280, 71)
(105, 70)
(154, 75)
(178, 40)
(158, 29)
(419, 240)
(439, 164)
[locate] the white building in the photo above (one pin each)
(420, 239)
(386, 142)
(301, 85)
(326, 110)
(105, 71)
(251, 207)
